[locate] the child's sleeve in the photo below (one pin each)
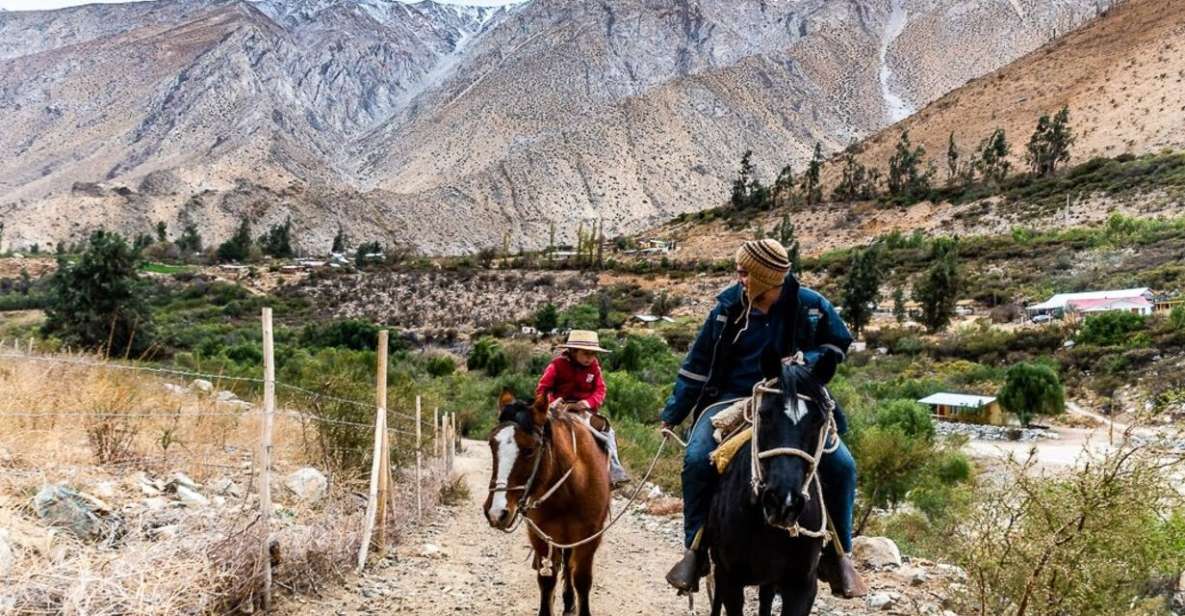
(546, 382)
(598, 396)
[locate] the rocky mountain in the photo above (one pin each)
(452, 128)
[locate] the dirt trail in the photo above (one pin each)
(481, 571)
(456, 564)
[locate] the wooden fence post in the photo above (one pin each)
(385, 464)
(419, 463)
(265, 454)
(380, 440)
(436, 432)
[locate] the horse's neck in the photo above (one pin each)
(559, 458)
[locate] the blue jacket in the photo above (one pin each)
(816, 329)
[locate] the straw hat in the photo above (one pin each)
(583, 339)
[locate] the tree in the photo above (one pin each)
(339, 241)
(1113, 328)
(952, 158)
(277, 242)
(141, 242)
(1032, 389)
(547, 318)
(604, 307)
(784, 233)
(906, 178)
(25, 283)
(747, 190)
(96, 302)
(899, 304)
(162, 231)
(783, 191)
(939, 288)
(1050, 143)
(861, 289)
(367, 252)
(663, 304)
(993, 157)
(238, 247)
(854, 184)
(190, 241)
(812, 189)
(486, 256)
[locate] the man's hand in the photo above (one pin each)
(664, 427)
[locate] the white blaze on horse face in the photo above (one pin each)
(507, 454)
(796, 411)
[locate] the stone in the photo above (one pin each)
(164, 532)
(150, 487)
(181, 479)
(951, 571)
(225, 487)
(191, 497)
(226, 396)
(308, 484)
(7, 558)
(156, 503)
(175, 389)
(105, 489)
(431, 550)
(877, 552)
(84, 516)
(880, 601)
(202, 385)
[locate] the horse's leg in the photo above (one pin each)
(798, 596)
(765, 600)
(546, 583)
(582, 570)
(569, 593)
(730, 595)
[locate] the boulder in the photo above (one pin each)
(202, 385)
(308, 484)
(877, 552)
(225, 487)
(175, 389)
(880, 601)
(226, 396)
(85, 516)
(191, 497)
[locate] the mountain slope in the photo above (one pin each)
(448, 127)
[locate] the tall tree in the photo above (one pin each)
(742, 185)
(783, 190)
(784, 233)
(162, 231)
(238, 247)
(339, 241)
(906, 176)
(993, 157)
(812, 189)
(190, 241)
(1050, 143)
(952, 159)
(899, 304)
(1032, 389)
(277, 242)
(861, 289)
(853, 183)
(938, 290)
(96, 302)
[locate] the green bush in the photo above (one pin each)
(629, 397)
(911, 418)
(440, 365)
(480, 355)
(348, 334)
(1032, 389)
(1110, 328)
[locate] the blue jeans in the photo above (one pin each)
(837, 470)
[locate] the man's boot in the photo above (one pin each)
(685, 575)
(841, 574)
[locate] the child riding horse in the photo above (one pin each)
(550, 472)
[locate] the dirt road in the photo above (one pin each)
(456, 564)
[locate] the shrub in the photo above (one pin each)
(238, 247)
(440, 365)
(349, 334)
(1031, 390)
(1110, 328)
(910, 417)
(629, 397)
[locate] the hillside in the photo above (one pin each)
(1123, 78)
(448, 127)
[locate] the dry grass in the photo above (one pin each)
(97, 430)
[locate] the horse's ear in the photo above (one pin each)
(539, 410)
(771, 364)
(506, 399)
(824, 367)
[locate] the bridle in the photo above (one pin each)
(528, 502)
(829, 429)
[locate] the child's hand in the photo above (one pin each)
(580, 406)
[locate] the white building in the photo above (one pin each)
(1138, 301)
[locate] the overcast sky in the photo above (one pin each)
(41, 5)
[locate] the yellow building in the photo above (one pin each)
(966, 408)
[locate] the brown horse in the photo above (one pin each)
(549, 469)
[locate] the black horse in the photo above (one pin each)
(747, 531)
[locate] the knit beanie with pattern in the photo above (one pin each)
(767, 263)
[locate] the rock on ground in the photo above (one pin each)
(308, 484)
(877, 552)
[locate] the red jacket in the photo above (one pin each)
(567, 379)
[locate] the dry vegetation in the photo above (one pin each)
(104, 432)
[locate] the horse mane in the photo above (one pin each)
(797, 379)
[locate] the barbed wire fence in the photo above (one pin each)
(205, 432)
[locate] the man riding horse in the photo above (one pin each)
(767, 306)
